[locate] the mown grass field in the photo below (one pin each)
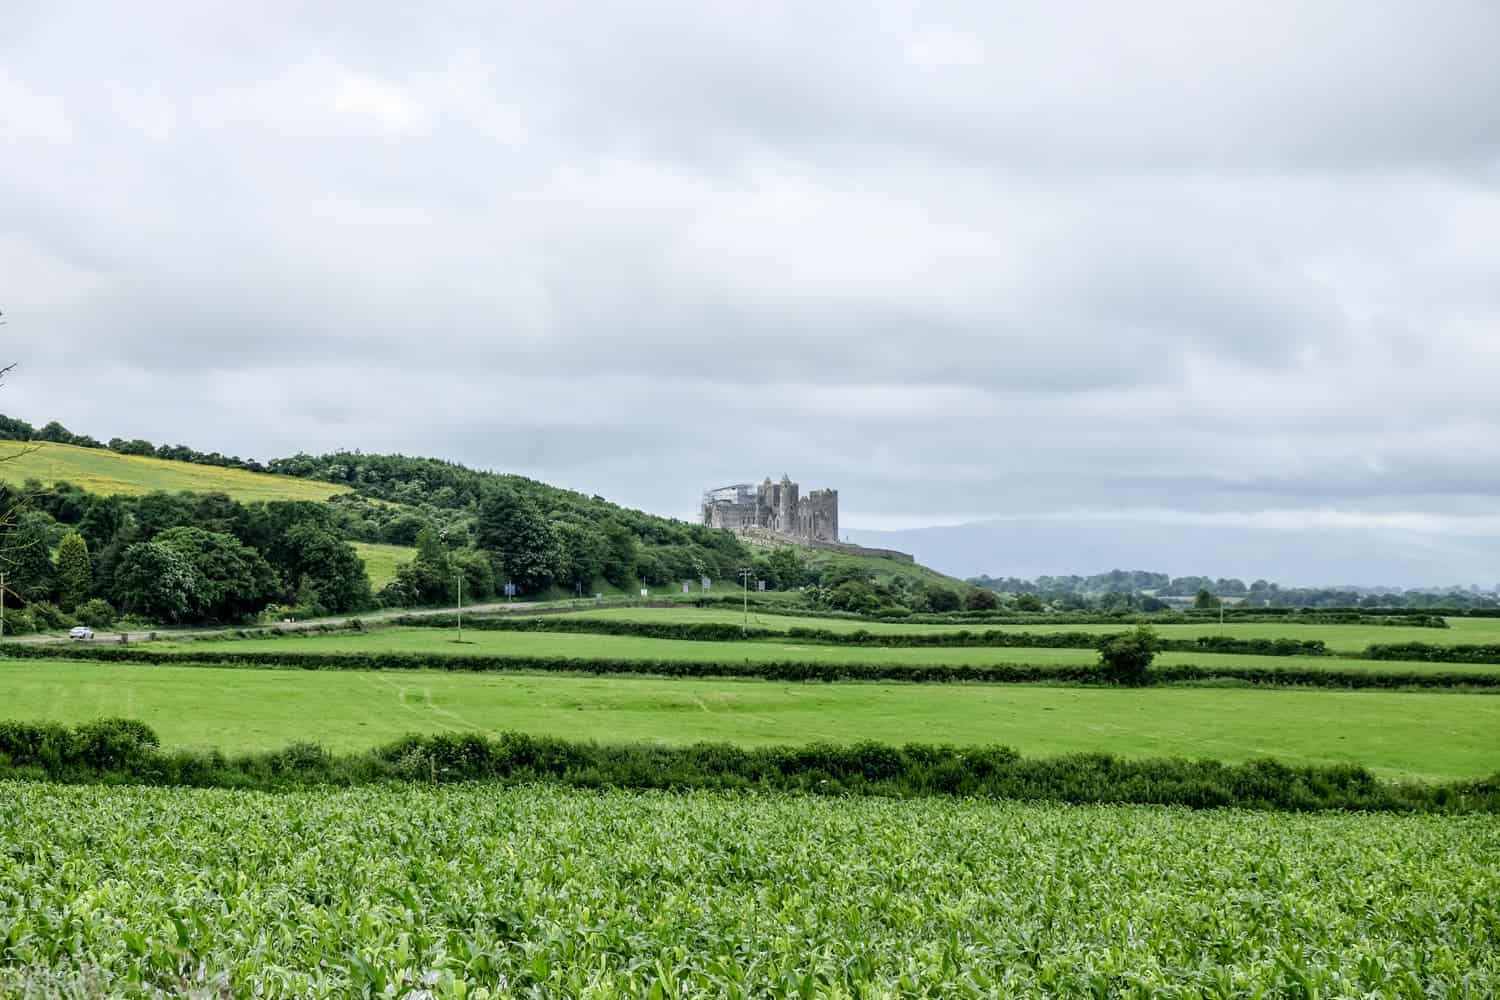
(486, 892)
(104, 472)
(1341, 638)
(1418, 735)
(444, 642)
(381, 561)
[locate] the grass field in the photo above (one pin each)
(1341, 638)
(442, 642)
(381, 561)
(545, 892)
(104, 472)
(882, 570)
(1429, 736)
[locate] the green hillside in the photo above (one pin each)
(486, 527)
(381, 561)
(103, 472)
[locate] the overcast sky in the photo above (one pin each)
(962, 262)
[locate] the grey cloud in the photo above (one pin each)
(959, 260)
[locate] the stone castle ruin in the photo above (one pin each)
(774, 508)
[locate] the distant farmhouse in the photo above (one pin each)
(774, 507)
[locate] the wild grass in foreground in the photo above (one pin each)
(478, 892)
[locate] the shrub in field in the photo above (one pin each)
(113, 744)
(95, 613)
(46, 615)
(1126, 658)
(17, 621)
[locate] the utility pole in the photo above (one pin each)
(745, 575)
(2, 604)
(460, 605)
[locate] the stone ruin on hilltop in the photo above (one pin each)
(777, 508)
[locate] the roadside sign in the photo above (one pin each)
(707, 583)
(645, 592)
(760, 585)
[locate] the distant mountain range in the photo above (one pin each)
(1031, 547)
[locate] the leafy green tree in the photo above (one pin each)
(26, 559)
(618, 559)
(1028, 602)
(102, 520)
(429, 578)
(582, 554)
(940, 598)
(430, 548)
(478, 573)
(1204, 600)
(1126, 656)
(980, 599)
(75, 573)
(785, 563)
(191, 575)
(402, 529)
(156, 582)
(330, 565)
(511, 528)
(233, 581)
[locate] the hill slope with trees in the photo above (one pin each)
(246, 538)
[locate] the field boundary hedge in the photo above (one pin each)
(1429, 653)
(125, 750)
(726, 632)
(916, 673)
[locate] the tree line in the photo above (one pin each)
(1142, 590)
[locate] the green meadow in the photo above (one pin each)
(382, 561)
(1340, 638)
(445, 642)
(1416, 735)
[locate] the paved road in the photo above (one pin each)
(105, 636)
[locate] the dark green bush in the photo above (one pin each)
(1126, 658)
(95, 613)
(47, 616)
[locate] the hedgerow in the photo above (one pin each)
(916, 673)
(118, 750)
(1427, 652)
(727, 632)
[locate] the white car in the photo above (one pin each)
(80, 632)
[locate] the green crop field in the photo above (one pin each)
(481, 892)
(443, 642)
(1341, 638)
(381, 561)
(1419, 735)
(104, 472)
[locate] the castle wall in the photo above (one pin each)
(774, 507)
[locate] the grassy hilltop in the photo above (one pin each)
(96, 470)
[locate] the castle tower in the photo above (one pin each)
(786, 508)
